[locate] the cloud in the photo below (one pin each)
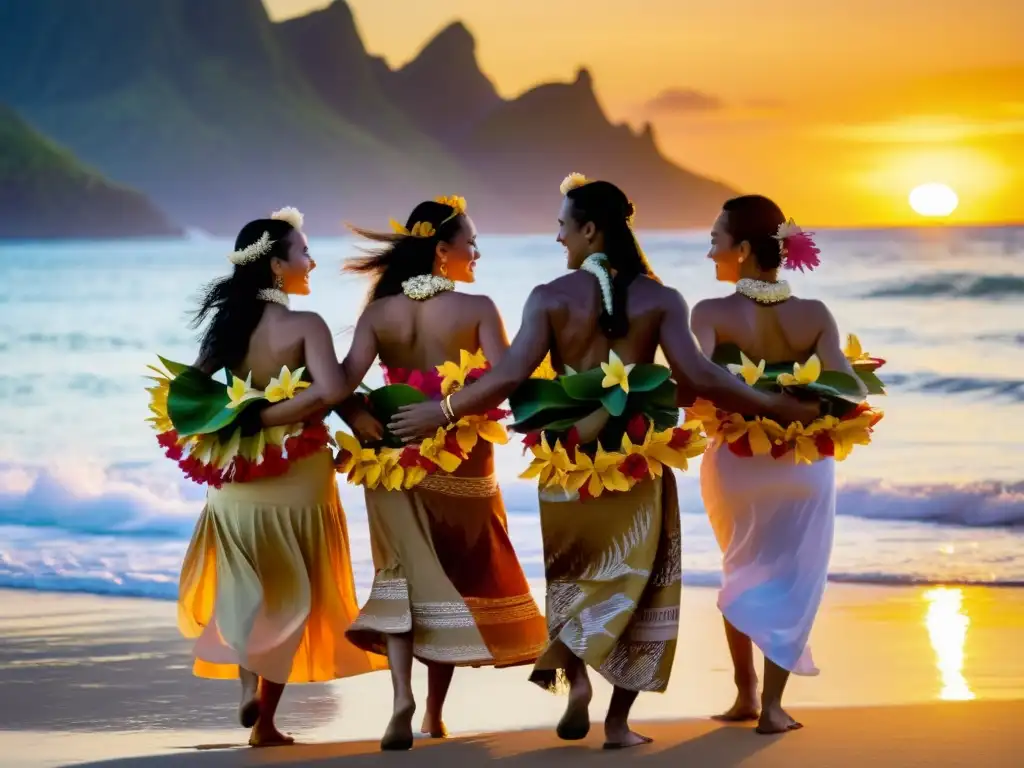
(926, 129)
(680, 100)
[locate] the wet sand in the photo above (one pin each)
(910, 675)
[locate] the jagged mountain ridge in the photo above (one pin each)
(220, 114)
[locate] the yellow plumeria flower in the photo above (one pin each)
(807, 373)
(658, 445)
(751, 373)
(422, 229)
(285, 385)
(241, 391)
(359, 463)
(846, 434)
(735, 427)
(471, 361)
(545, 370)
(853, 351)
(805, 451)
(455, 201)
(453, 375)
(433, 448)
(550, 465)
(598, 474)
(472, 428)
(706, 413)
(615, 373)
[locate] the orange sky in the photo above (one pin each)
(836, 108)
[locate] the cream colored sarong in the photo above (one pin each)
(267, 580)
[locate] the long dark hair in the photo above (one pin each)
(612, 213)
(756, 219)
(231, 303)
(405, 256)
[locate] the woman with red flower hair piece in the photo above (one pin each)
(448, 588)
(769, 491)
(266, 586)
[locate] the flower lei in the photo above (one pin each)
(597, 265)
(644, 453)
(764, 292)
(404, 468)
(825, 437)
(211, 459)
(423, 287)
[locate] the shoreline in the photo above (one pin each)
(94, 679)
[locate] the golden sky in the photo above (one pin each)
(837, 108)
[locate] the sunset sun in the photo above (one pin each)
(933, 200)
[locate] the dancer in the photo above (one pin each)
(448, 587)
(612, 562)
(266, 585)
(769, 491)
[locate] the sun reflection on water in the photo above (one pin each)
(947, 624)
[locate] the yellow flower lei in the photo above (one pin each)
(400, 468)
(604, 471)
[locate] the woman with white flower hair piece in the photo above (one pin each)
(608, 506)
(266, 585)
(769, 490)
(448, 587)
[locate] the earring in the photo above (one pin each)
(444, 269)
(278, 282)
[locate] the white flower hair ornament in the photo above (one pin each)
(571, 182)
(262, 246)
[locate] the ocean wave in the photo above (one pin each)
(133, 501)
(972, 505)
(953, 285)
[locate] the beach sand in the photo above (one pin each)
(910, 676)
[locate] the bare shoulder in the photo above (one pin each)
(551, 295)
(710, 308)
(479, 304)
(307, 322)
(667, 297)
(813, 309)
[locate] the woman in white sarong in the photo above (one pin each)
(772, 510)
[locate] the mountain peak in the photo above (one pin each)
(583, 78)
(455, 37)
(443, 88)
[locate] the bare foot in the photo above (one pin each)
(775, 719)
(575, 723)
(434, 726)
(619, 736)
(268, 736)
(746, 707)
(398, 735)
(249, 706)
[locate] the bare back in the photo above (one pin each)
(279, 339)
(420, 335)
(791, 330)
(577, 339)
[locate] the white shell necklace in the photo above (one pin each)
(597, 265)
(423, 287)
(764, 292)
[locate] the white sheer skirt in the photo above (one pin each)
(774, 522)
